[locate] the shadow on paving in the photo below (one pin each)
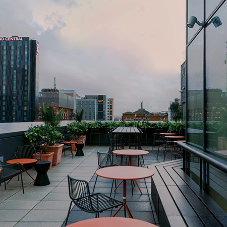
(141, 206)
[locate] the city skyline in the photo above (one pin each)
(131, 51)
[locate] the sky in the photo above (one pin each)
(129, 50)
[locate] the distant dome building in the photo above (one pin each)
(143, 115)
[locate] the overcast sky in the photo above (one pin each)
(130, 50)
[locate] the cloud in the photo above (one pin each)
(68, 3)
(123, 49)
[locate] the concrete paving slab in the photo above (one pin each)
(12, 215)
(45, 215)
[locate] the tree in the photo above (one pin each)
(79, 115)
(176, 110)
(48, 115)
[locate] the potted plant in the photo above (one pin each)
(44, 138)
(52, 119)
(77, 129)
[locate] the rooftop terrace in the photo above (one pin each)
(48, 205)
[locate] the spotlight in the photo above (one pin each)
(216, 22)
(192, 22)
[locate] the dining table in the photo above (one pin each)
(125, 132)
(130, 153)
(22, 162)
(173, 139)
(112, 222)
(124, 173)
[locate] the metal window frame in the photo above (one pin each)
(204, 163)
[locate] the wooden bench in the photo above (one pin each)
(179, 201)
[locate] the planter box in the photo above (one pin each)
(57, 150)
(83, 137)
(45, 157)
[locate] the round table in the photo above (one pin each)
(22, 162)
(175, 137)
(130, 153)
(168, 133)
(111, 222)
(124, 173)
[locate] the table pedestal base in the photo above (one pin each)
(41, 168)
(79, 147)
(124, 200)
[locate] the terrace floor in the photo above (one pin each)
(48, 205)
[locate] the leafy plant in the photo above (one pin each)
(79, 115)
(49, 116)
(77, 128)
(43, 133)
(176, 110)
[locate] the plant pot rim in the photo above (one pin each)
(57, 145)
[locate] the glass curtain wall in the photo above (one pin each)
(207, 94)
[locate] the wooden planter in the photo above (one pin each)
(57, 150)
(73, 144)
(83, 137)
(45, 157)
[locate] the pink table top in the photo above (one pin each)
(125, 172)
(112, 222)
(130, 152)
(168, 133)
(175, 137)
(21, 161)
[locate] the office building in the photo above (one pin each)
(89, 106)
(110, 109)
(19, 76)
(94, 107)
(71, 93)
(58, 101)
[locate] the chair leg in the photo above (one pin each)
(124, 211)
(68, 213)
(22, 183)
(112, 187)
(95, 184)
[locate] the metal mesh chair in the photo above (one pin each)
(104, 160)
(8, 171)
(80, 195)
(158, 139)
(25, 151)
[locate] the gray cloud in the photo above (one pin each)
(67, 3)
(89, 71)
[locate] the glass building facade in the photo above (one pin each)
(206, 98)
(19, 79)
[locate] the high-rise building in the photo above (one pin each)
(94, 107)
(110, 109)
(58, 101)
(89, 106)
(19, 79)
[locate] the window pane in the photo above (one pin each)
(195, 8)
(195, 91)
(217, 86)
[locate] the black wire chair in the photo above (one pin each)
(104, 160)
(8, 171)
(80, 195)
(25, 151)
